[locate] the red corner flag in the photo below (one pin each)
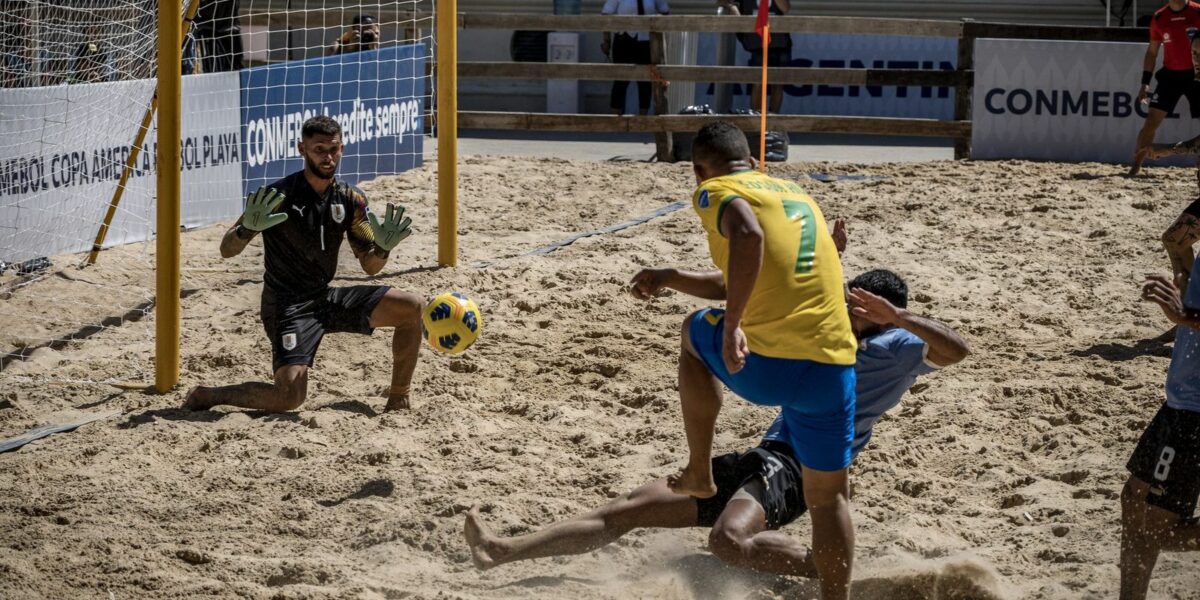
(760, 24)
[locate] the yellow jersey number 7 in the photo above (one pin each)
(808, 233)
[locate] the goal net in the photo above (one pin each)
(78, 149)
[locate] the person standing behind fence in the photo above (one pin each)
(1172, 28)
(630, 47)
(779, 53)
(363, 34)
(219, 36)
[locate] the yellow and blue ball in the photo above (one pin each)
(451, 322)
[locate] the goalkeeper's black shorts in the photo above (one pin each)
(296, 327)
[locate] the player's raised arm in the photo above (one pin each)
(840, 237)
(946, 346)
(372, 240)
(259, 216)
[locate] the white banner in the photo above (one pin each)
(1067, 101)
(63, 149)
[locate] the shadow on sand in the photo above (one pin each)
(1155, 346)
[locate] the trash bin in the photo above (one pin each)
(777, 141)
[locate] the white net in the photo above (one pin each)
(78, 77)
(75, 92)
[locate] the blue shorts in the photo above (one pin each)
(817, 399)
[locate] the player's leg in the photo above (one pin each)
(287, 392)
(1160, 496)
(820, 427)
(1168, 89)
(827, 494)
(741, 538)
(401, 310)
(700, 397)
(295, 333)
(651, 505)
(1144, 529)
(1145, 138)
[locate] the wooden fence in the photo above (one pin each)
(962, 79)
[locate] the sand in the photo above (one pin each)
(997, 478)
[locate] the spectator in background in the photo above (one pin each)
(90, 64)
(363, 34)
(14, 69)
(630, 47)
(779, 53)
(189, 64)
(219, 36)
(15, 51)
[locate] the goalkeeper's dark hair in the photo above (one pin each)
(320, 125)
(720, 142)
(885, 284)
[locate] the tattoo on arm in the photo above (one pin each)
(1178, 240)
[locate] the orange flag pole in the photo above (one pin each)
(762, 127)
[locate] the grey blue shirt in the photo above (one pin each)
(887, 364)
(1183, 376)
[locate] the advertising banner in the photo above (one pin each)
(835, 51)
(377, 96)
(65, 147)
(1066, 101)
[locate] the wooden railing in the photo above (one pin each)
(961, 79)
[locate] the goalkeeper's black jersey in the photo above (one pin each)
(302, 252)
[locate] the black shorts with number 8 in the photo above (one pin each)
(1168, 458)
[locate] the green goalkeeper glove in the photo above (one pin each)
(393, 230)
(259, 215)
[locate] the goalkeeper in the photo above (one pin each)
(302, 219)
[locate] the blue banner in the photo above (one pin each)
(378, 97)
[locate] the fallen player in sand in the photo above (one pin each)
(759, 490)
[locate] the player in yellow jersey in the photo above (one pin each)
(784, 338)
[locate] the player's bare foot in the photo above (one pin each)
(196, 399)
(692, 482)
(397, 402)
(486, 550)
(1136, 167)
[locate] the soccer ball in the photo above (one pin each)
(451, 323)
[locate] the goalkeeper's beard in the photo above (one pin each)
(317, 171)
